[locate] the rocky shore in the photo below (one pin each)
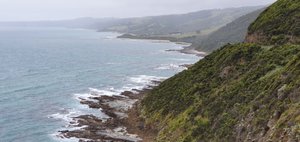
(190, 50)
(124, 123)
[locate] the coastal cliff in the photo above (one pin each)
(241, 92)
(244, 92)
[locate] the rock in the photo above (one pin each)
(226, 71)
(186, 65)
(64, 131)
(97, 130)
(125, 93)
(277, 114)
(141, 125)
(281, 92)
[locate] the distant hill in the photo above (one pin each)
(153, 25)
(207, 29)
(233, 32)
(176, 25)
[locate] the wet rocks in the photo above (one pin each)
(123, 118)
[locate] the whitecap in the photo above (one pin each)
(180, 59)
(84, 96)
(170, 67)
(57, 136)
(93, 92)
(108, 92)
(145, 79)
(112, 63)
(133, 88)
(66, 116)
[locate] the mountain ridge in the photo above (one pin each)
(209, 39)
(179, 23)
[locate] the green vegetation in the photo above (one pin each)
(241, 92)
(279, 24)
(217, 98)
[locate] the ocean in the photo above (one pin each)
(43, 72)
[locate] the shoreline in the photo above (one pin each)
(189, 50)
(124, 123)
(186, 47)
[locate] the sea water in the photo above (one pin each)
(44, 72)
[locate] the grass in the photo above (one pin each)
(279, 23)
(199, 104)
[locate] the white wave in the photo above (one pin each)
(137, 82)
(97, 93)
(133, 88)
(108, 92)
(180, 59)
(110, 37)
(66, 116)
(145, 79)
(84, 96)
(170, 67)
(57, 136)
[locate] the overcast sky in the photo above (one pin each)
(20, 10)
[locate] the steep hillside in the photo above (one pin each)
(242, 92)
(279, 24)
(178, 24)
(233, 32)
